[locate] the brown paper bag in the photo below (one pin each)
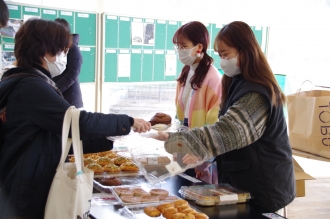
(309, 121)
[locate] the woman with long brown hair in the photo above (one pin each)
(250, 139)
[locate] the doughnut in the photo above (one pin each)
(158, 192)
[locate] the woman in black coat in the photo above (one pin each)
(68, 80)
(32, 122)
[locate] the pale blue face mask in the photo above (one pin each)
(229, 67)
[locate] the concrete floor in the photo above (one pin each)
(316, 203)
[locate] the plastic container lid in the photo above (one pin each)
(209, 195)
(157, 165)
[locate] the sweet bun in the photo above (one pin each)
(200, 215)
(158, 192)
(162, 207)
(161, 118)
(98, 169)
(182, 216)
(104, 161)
(88, 161)
(149, 198)
(119, 190)
(111, 181)
(179, 202)
(130, 199)
(169, 212)
(182, 207)
(120, 160)
(140, 192)
(129, 166)
(151, 211)
(94, 156)
(188, 210)
(171, 198)
(111, 168)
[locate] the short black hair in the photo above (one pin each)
(4, 14)
(63, 22)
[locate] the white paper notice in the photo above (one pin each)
(170, 62)
(137, 33)
(124, 65)
(27, 17)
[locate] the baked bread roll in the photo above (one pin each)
(171, 198)
(120, 160)
(183, 216)
(111, 168)
(140, 192)
(200, 215)
(88, 161)
(149, 198)
(111, 181)
(169, 212)
(158, 192)
(119, 190)
(188, 210)
(162, 207)
(131, 199)
(104, 161)
(182, 207)
(94, 156)
(98, 169)
(151, 211)
(105, 153)
(179, 202)
(129, 166)
(161, 118)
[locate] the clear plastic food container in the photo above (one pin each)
(210, 195)
(143, 194)
(157, 165)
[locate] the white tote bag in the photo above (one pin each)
(72, 187)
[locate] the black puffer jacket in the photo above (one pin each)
(68, 81)
(35, 112)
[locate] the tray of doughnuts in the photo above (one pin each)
(144, 194)
(176, 209)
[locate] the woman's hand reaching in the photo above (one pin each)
(141, 125)
(190, 159)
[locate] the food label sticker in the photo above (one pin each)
(272, 215)
(228, 199)
(152, 160)
(174, 168)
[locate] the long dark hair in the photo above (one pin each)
(253, 63)
(4, 14)
(36, 37)
(197, 33)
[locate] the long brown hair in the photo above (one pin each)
(252, 62)
(197, 33)
(36, 37)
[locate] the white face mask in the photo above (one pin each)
(229, 67)
(185, 56)
(57, 67)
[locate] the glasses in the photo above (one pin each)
(182, 49)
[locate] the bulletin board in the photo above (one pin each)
(129, 56)
(82, 23)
